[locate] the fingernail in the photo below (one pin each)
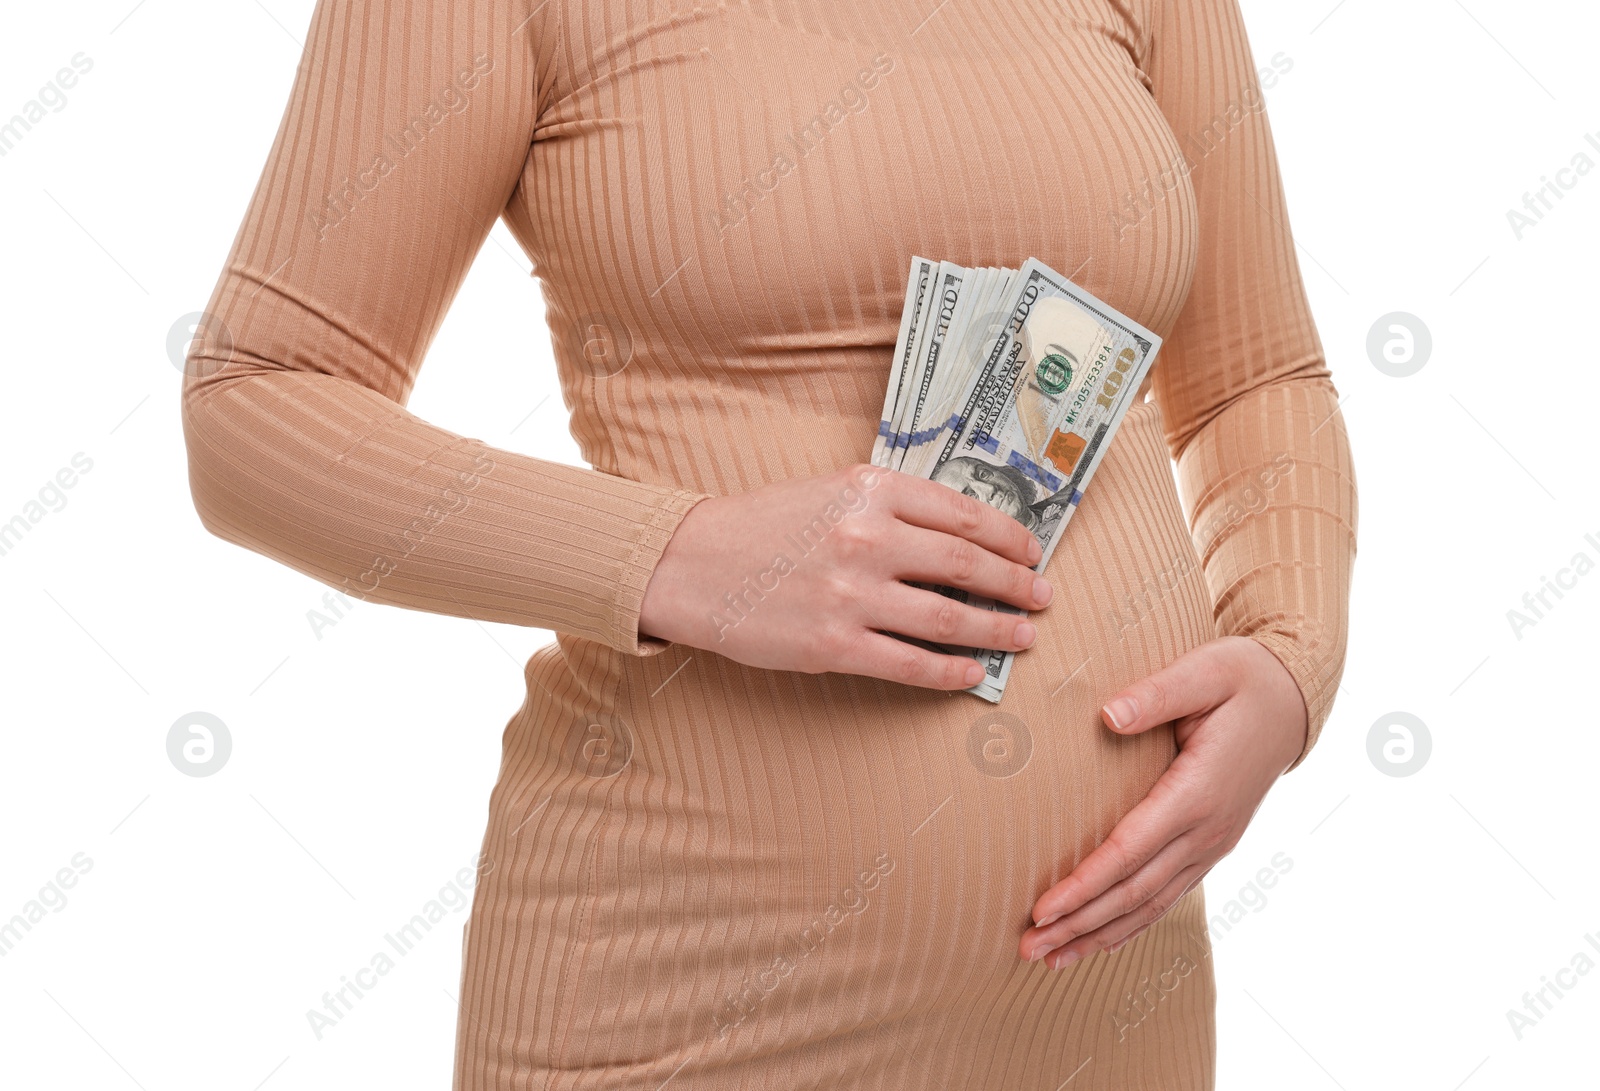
(1042, 590)
(1025, 633)
(1034, 551)
(1035, 954)
(1048, 921)
(1123, 711)
(974, 674)
(1067, 959)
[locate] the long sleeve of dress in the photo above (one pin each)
(406, 132)
(1250, 412)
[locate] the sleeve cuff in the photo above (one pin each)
(1317, 678)
(636, 572)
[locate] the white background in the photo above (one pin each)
(1418, 910)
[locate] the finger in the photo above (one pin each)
(936, 557)
(1137, 837)
(1120, 900)
(1196, 681)
(928, 615)
(938, 507)
(878, 656)
(1124, 928)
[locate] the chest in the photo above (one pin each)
(747, 180)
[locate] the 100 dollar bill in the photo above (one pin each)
(1038, 404)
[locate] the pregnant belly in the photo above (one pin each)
(716, 850)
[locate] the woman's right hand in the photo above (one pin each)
(807, 575)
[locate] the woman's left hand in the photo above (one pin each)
(1240, 723)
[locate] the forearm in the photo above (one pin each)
(347, 486)
(1271, 492)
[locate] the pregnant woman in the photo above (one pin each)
(743, 837)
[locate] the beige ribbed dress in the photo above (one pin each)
(700, 875)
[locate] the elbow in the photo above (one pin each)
(1303, 396)
(212, 443)
(199, 441)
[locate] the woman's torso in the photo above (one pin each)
(709, 872)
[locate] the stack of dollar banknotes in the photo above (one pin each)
(1008, 385)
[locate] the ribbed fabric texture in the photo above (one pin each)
(694, 870)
